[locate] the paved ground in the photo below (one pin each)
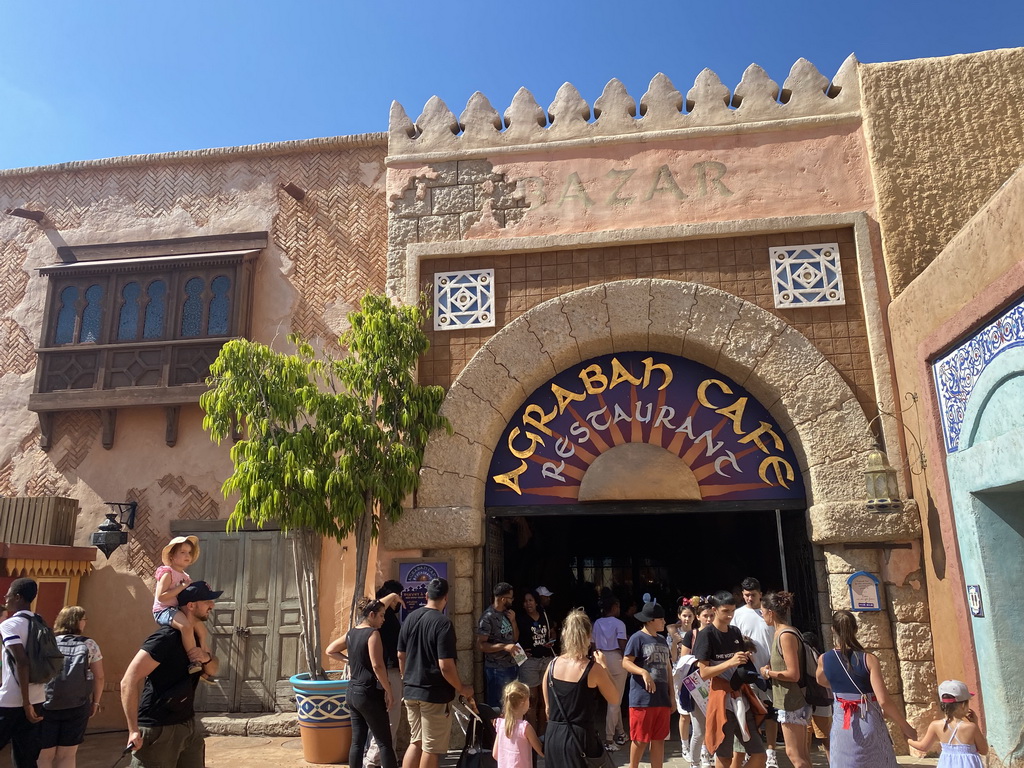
(101, 750)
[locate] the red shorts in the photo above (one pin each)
(647, 724)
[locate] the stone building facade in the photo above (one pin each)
(698, 310)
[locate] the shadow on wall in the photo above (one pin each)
(119, 607)
(935, 539)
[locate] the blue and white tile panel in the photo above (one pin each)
(464, 299)
(807, 276)
(956, 373)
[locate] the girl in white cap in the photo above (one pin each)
(171, 579)
(958, 733)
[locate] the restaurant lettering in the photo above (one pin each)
(725, 436)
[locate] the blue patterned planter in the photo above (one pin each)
(324, 722)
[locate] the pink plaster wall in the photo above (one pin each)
(821, 169)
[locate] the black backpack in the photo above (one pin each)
(814, 692)
(72, 687)
(45, 661)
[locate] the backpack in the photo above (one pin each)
(72, 687)
(45, 660)
(814, 692)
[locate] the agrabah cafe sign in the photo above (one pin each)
(730, 442)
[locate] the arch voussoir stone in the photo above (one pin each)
(628, 304)
(522, 354)
(587, 315)
(549, 323)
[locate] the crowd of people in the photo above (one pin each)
(733, 668)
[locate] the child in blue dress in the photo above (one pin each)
(958, 733)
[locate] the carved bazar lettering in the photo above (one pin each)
(622, 187)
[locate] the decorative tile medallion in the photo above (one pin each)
(807, 276)
(464, 299)
(956, 373)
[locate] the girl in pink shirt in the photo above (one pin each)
(171, 579)
(516, 737)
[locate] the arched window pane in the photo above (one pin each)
(192, 312)
(128, 321)
(155, 310)
(65, 333)
(218, 324)
(92, 315)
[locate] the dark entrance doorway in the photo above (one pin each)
(667, 551)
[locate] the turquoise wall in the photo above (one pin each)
(987, 487)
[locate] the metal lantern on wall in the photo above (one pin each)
(883, 491)
(110, 535)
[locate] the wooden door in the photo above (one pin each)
(254, 627)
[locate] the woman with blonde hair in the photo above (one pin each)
(74, 695)
(571, 683)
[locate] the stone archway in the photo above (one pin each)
(777, 364)
(802, 390)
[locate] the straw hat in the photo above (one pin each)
(166, 555)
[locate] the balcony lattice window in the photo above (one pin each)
(140, 323)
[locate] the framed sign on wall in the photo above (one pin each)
(414, 575)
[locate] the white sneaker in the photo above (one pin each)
(686, 751)
(705, 758)
(772, 761)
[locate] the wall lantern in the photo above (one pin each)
(883, 492)
(110, 535)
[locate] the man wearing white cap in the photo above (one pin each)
(555, 622)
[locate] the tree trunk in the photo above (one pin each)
(304, 548)
(364, 537)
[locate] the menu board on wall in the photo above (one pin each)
(414, 576)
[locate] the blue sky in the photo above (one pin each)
(83, 80)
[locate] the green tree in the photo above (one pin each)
(329, 445)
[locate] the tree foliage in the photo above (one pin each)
(330, 445)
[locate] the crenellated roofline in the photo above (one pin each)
(756, 104)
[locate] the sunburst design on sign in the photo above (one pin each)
(807, 276)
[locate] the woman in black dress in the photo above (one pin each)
(570, 693)
(369, 690)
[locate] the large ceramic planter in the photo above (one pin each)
(324, 722)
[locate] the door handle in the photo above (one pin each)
(242, 631)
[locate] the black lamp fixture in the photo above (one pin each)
(110, 534)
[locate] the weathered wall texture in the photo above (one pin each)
(979, 272)
(324, 253)
(943, 135)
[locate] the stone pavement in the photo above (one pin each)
(101, 750)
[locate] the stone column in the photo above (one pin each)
(854, 539)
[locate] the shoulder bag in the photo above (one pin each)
(603, 760)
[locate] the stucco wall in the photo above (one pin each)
(979, 272)
(324, 253)
(943, 134)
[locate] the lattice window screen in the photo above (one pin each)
(807, 276)
(464, 299)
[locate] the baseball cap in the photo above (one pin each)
(953, 690)
(544, 591)
(198, 591)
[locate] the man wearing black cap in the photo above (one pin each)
(165, 709)
(649, 662)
